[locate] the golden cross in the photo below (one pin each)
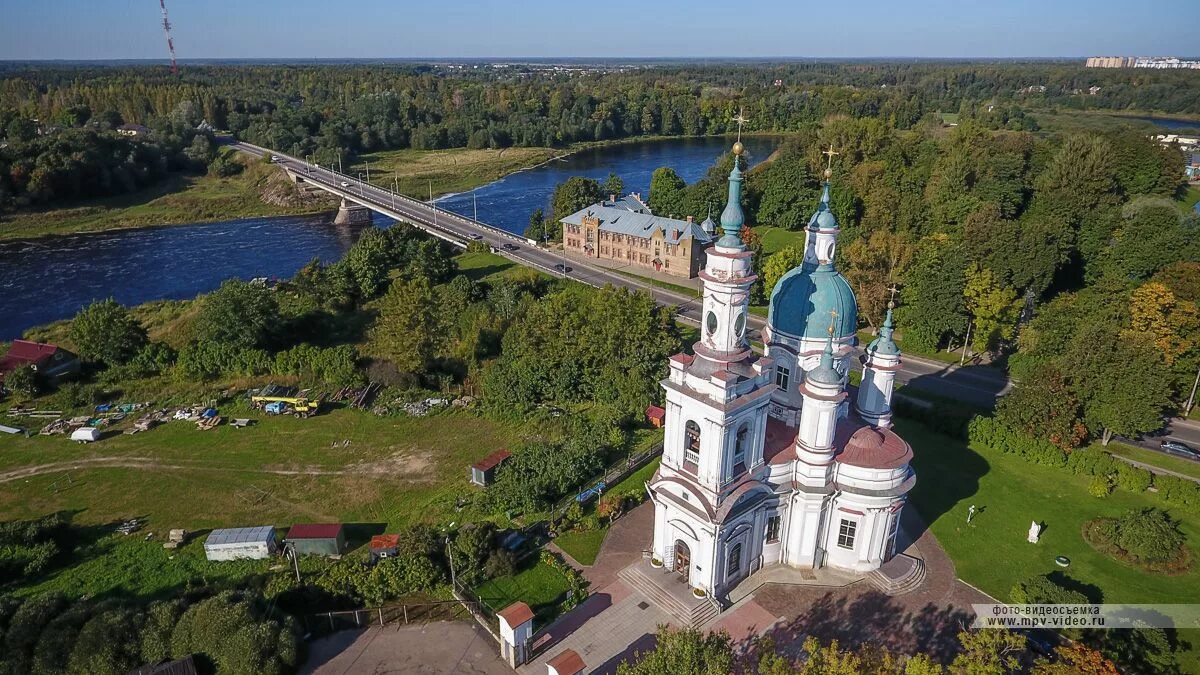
(740, 119)
(832, 320)
(892, 300)
(829, 154)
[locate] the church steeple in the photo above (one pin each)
(823, 395)
(732, 217)
(880, 360)
(820, 243)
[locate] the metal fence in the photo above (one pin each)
(422, 612)
(614, 474)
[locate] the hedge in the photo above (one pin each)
(988, 432)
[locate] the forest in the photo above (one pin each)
(339, 111)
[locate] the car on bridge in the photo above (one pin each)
(510, 247)
(562, 269)
(1180, 449)
(345, 184)
(475, 237)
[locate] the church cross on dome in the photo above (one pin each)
(833, 315)
(829, 155)
(892, 299)
(740, 118)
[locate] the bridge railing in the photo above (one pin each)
(402, 197)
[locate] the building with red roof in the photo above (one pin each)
(50, 361)
(483, 472)
(316, 539)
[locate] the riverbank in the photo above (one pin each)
(259, 190)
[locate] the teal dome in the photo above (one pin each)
(884, 344)
(803, 298)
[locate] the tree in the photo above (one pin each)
(237, 314)
(236, 636)
(932, 308)
(993, 309)
(572, 195)
(1044, 405)
(778, 264)
(785, 190)
(1149, 535)
(873, 266)
(24, 380)
(1119, 382)
(1171, 325)
(988, 652)
(1075, 658)
(406, 332)
(369, 261)
(754, 243)
(1043, 590)
(683, 651)
(537, 226)
(666, 192)
(105, 331)
(613, 185)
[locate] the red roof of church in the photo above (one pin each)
(315, 531)
(871, 447)
(516, 614)
(492, 461)
(567, 663)
(780, 438)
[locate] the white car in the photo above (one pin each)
(475, 237)
(345, 184)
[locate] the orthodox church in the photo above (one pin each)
(767, 460)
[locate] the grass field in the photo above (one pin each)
(392, 471)
(538, 585)
(455, 170)
(1188, 203)
(179, 199)
(992, 552)
(1177, 464)
(584, 546)
(776, 238)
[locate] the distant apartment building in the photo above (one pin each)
(1156, 62)
(624, 231)
(1110, 62)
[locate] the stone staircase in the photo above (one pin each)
(902, 574)
(674, 597)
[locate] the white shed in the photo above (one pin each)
(85, 435)
(239, 543)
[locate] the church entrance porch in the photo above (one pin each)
(683, 559)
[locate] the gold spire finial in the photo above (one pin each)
(740, 118)
(892, 299)
(829, 155)
(832, 320)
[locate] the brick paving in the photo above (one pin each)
(623, 545)
(440, 648)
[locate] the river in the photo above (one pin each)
(52, 278)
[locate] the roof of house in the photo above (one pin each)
(314, 531)
(568, 662)
(870, 447)
(653, 411)
(380, 541)
(630, 202)
(642, 225)
(516, 614)
(240, 535)
(492, 461)
(24, 351)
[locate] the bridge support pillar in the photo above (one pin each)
(350, 213)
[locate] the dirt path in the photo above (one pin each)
(158, 465)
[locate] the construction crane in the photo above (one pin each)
(167, 32)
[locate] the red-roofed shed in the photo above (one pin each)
(484, 471)
(656, 416)
(316, 539)
(568, 662)
(384, 545)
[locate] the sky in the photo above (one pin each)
(131, 29)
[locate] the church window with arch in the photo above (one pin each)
(691, 442)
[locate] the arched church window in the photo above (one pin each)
(735, 561)
(740, 443)
(691, 442)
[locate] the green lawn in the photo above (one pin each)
(454, 170)
(583, 546)
(178, 199)
(1177, 464)
(776, 238)
(1190, 198)
(394, 470)
(865, 337)
(539, 585)
(993, 554)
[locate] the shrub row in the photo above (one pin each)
(333, 365)
(943, 419)
(1108, 472)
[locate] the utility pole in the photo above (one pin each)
(339, 160)
(966, 341)
(450, 557)
(360, 185)
(1187, 409)
(431, 204)
(295, 561)
(475, 204)
(368, 172)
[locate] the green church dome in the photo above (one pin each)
(802, 301)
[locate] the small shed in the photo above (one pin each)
(568, 662)
(241, 543)
(483, 472)
(50, 361)
(384, 546)
(85, 435)
(317, 539)
(656, 416)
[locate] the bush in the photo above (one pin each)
(1042, 590)
(991, 433)
(333, 365)
(1091, 462)
(208, 360)
(1150, 535)
(24, 380)
(1179, 491)
(1100, 486)
(951, 421)
(1132, 478)
(104, 331)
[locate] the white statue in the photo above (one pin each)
(1034, 531)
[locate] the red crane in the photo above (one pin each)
(167, 32)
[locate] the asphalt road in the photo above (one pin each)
(976, 385)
